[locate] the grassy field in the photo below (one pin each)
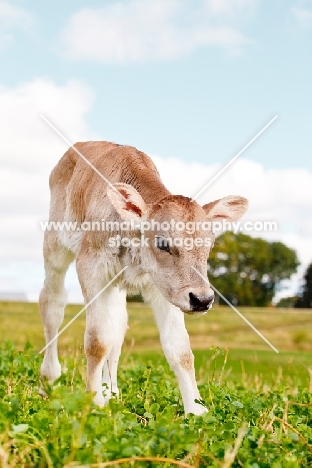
(286, 329)
(260, 405)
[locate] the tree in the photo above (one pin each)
(305, 296)
(248, 270)
(287, 302)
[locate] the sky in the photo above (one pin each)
(188, 82)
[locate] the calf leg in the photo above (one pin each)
(106, 323)
(52, 301)
(117, 306)
(176, 345)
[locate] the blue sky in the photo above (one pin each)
(189, 82)
(201, 105)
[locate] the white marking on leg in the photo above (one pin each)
(104, 334)
(118, 309)
(176, 345)
(52, 302)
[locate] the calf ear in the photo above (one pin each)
(232, 208)
(127, 201)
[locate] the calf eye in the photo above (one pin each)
(162, 244)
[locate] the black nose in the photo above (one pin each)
(200, 303)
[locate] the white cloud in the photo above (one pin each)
(302, 12)
(30, 150)
(230, 8)
(27, 142)
(282, 195)
(139, 30)
(276, 195)
(12, 18)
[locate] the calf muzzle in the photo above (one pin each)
(200, 303)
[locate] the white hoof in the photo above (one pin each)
(102, 398)
(198, 410)
(51, 372)
(99, 400)
(42, 393)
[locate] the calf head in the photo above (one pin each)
(179, 239)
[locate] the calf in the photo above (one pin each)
(167, 270)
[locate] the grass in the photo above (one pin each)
(287, 329)
(260, 405)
